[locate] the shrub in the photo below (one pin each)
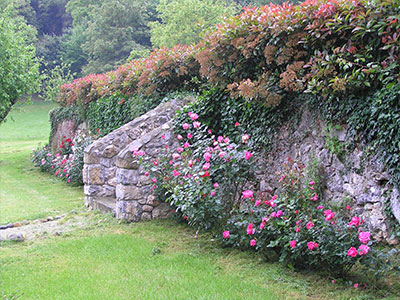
(203, 177)
(67, 163)
(302, 229)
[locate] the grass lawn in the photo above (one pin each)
(152, 260)
(25, 192)
(109, 260)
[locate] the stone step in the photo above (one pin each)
(104, 205)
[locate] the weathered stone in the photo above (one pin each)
(94, 175)
(151, 200)
(128, 210)
(146, 216)
(49, 218)
(91, 158)
(147, 208)
(107, 162)
(99, 190)
(25, 222)
(16, 237)
(144, 180)
(110, 151)
(395, 204)
(17, 224)
(10, 225)
(66, 129)
(126, 176)
(128, 192)
(162, 211)
(85, 174)
(112, 182)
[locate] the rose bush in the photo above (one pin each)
(67, 163)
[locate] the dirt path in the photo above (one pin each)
(21, 231)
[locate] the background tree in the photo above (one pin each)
(182, 21)
(19, 69)
(114, 30)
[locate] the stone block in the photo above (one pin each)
(127, 176)
(146, 216)
(94, 175)
(128, 210)
(110, 151)
(152, 200)
(162, 211)
(128, 192)
(147, 208)
(85, 174)
(99, 190)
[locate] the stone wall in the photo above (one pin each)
(113, 180)
(356, 179)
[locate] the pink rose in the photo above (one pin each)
(190, 163)
(250, 229)
(262, 225)
(146, 174)
(352, 252)
(252, 243)
(311, 182)
(175, 173)
(320, 207)
(207, 156)
(154, 180)
(247, 194)
(189, 135)
(363, 249)
(180, 149)
(355, 221)
(236, 124)
(248, 155)
(194, 116)
(225, 234)
(175, 156)
(258, 202)
(186, 145)
(212, 193)
(279, 213)
(216, 185)
(297, 229)
(222, 154)
(196, 124)
(293, 243)
(163, 136)
(226, 140)
(206, 166)
(220, 139)
(179, 137)
(312, 245)
(245, 138)
(356, 285)
(310, 225)
(314, 198)
(185, 126)
(330, 216)
(364, 237)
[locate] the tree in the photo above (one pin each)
(19, 69)
(114, 30)
(182, 21)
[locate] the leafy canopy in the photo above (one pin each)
(182, 21)
(19, 69)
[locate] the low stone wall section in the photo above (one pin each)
(100, 171)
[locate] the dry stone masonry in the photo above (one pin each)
(113, 179)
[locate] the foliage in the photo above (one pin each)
(182, 21)
(331, 48)
(18, 66)
(302, 229)
(59, 114)
(221, 112)
(203, 177)
(114, 29)
(164, 70)
(52, 79)
(67, 163)
(109, 113)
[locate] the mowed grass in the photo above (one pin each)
(152, 260)
(25, 192)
